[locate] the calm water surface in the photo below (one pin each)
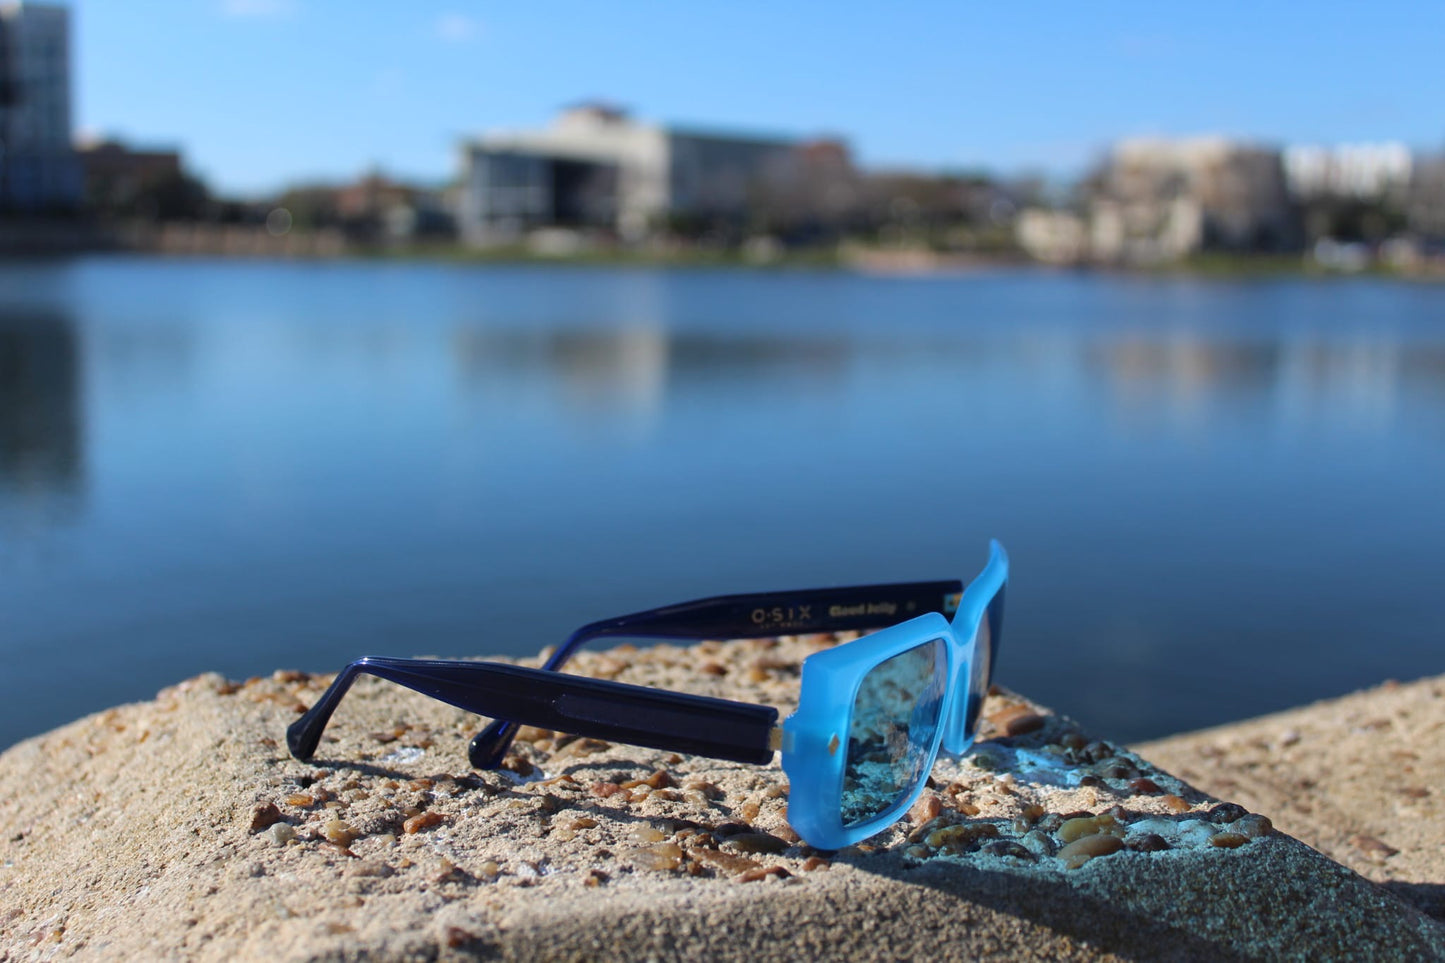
(1220, 498)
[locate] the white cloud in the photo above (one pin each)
(258, 9)
(456, 28)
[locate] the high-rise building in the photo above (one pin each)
(38, 169)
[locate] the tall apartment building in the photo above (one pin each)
(38, 168)
(597, 167)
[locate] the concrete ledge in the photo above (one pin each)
(179, 828)
(1360, 778)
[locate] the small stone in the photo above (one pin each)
(265, 816)
(301, 800)
(728, 863)
(643, 833)
(1050, 822)
(1007, 847)
(595, 877)
(1039, 843)
(658, 780)
(1175, 804)
(927, 807)
(960, 837)
(1228, 840)
(456, 937)
(1116, 769)
(1081, 850)
(1376, 849)
(1147, 843)
(279, 833)
(1097, 751)
(815, 863)
(1253, 826)
(985, 760)
(1145, 786)
(708, 789)
(1081, 826)
(663, 857)
(422, 821)
(1018, 721)
(581, 747)
(754, 875)
(338, 832)
(518, 764)
(753, 842)
(1226, 813)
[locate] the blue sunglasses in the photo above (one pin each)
(871, 714)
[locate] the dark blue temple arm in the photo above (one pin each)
(615, 711)
(852, 608)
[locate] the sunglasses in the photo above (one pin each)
(872, 713)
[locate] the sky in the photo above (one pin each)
(259, 94)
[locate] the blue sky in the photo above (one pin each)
(259, 93)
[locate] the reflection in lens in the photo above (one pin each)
(895, 717)
(985, 646)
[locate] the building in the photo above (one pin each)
(38, 169)
(1160, 200)
(117, 176)
(1054, 237)
(597, 168)
(1367, 172)
(1425, 202)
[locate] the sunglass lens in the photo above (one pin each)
(892, 731)
(985, 648)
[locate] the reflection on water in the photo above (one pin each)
(42, 427)
(261, 465)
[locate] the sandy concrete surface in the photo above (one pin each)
(181, 829)
(1360, 778)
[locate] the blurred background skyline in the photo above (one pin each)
(277, 92)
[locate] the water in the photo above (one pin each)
(1220, 498)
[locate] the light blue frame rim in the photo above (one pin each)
(971, 611)
(830, 682)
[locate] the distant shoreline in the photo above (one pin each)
(29, 240)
